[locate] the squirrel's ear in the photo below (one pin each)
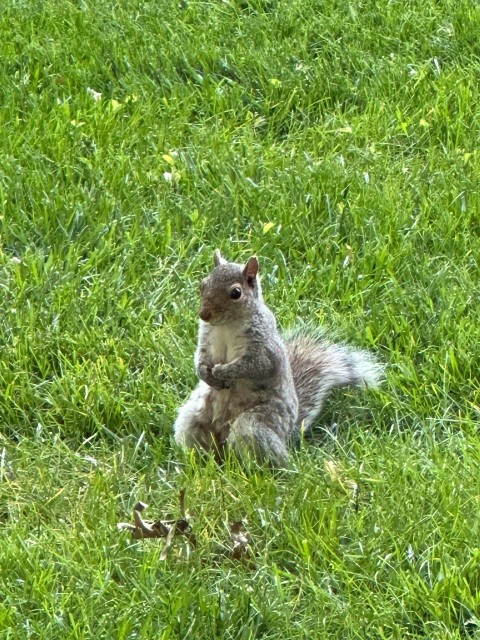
(217, 258)
(251, 270)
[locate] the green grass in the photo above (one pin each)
(352, 128)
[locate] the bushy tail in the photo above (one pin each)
(318, 366)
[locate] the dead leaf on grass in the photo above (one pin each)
(239, 548)
(159, 528)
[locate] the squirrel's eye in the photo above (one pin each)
(235, 293)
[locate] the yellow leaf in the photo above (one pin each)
(268, 226)
(168, 159)
(337, 474)
(333, 470)
(115, 105)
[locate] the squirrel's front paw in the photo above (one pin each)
(220, 373)
(205, 373)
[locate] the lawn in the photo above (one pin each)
(339, 142)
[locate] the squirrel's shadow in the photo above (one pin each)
(339, 418)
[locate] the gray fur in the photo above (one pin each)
(256, 390)
(319, 366)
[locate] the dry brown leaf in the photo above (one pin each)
(159, 528)
(168, 542)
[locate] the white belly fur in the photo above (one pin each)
(225, 346)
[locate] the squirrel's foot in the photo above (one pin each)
(250, 436)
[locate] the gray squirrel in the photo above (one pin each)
(257, 391)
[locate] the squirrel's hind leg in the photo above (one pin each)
(253, 434)
(192, 428)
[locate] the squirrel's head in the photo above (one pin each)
(230, 291)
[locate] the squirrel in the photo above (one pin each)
(257, 390)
